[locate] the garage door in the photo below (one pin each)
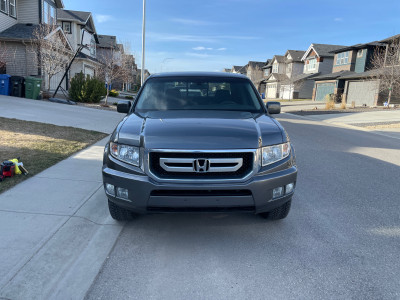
(271, 91)
(324, 89)
(285, 92)
(362, 92)
(55, 81)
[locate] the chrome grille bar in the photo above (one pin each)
(201, 165)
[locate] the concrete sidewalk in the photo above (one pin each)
(59, 114)
(357, 118)
(55, 230)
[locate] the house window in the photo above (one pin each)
(49, 13)
(289, 68)
(266, 72)
(3, 6)
(93, 46)
(360, 53)
(312, 64)
(275, 68)
(12, 8)
(342, 58)
(67, 27)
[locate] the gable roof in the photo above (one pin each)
(277, 77)
(26, 32)
(295, 54)
(20, 32)
(390, 39)
(322, 50)
(107, 41)
(73, 15)
(236, 68)
(255, 64)
(81, 17)
(359, 46)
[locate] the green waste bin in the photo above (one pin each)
(32, 87)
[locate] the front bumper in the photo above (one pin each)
(147, 195)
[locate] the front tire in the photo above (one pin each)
(119, 213)
(278, 213)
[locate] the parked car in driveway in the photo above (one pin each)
(199, 142)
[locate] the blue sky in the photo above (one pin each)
(208, 35)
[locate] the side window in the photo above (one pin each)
(12, 8)
(3, 6)
(67, 27)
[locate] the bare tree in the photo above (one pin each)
(386, 68)
(51, 50)
(115, 66)
(7, 58)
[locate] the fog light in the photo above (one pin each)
(289, 188)
(277, 192)
(110, 189)
(122, 193)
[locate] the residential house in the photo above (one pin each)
(80, 29)
(139, 73)
(296, 85)
(266, 69)
(238, 70)
(226, 70)
(318, 60)
(19, 20)
(356, 84)
(254, 71)
(132, 69)
(276, 69)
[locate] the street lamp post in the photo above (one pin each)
(143, 41)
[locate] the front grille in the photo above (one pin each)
(200, 193)
(157, 170)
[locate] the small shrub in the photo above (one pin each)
(86, 89)
(115, 103)
(129, 97)
(330, 102)
(113, 93)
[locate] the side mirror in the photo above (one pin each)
(124, 106)
(274, 108)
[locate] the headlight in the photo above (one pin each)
(128, 154)
(275, 153)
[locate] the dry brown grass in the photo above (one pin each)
(39, 145)
(330, 102)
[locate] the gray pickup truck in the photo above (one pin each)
(199, 142)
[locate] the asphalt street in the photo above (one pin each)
(340, 241)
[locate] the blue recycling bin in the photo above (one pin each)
(4, 84)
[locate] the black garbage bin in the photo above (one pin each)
(17, 86)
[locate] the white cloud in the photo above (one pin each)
(197, 55)
(338, 19)
(221, 49)
(209, 48)
(102, 18)
(191, 22)
(200, 48)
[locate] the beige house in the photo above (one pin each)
(19, 20)
(80, 29)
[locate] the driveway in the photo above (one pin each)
(340, 241)
(59, 114)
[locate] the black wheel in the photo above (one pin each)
(119, 213)
(278, 213)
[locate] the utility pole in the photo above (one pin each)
(143, 41)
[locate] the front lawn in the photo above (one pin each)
(39, 145)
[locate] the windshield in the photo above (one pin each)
(193, 93)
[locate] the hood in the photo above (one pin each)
(199, 130)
